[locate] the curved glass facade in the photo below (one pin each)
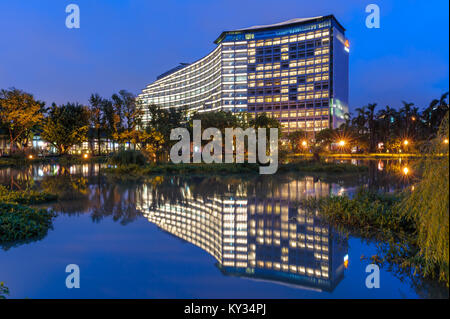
(296, 72)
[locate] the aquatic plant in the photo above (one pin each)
(18, 222)
(128, 157)
(3, 290)
(27, 196)
(427, 205)
(135, 170)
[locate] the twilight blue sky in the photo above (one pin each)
(125, 44)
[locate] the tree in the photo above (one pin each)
(108, 119)
(162, 121)
(428, 206)
(297, 141)
(370, 113)
(128, 115)
(96, 117)
(66, 126)
(406, 112)
(263, 121)
(19, 113)
(434, 114)
(325, 137)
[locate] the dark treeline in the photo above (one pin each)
(374, 129)
(110, 124)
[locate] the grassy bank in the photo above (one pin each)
(19, 162)
(134, 170)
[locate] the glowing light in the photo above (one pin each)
(304, 143)
(405, 170)
(346, 261)
(85, 155)
(405, 142)
(341, 143)
(446, 141)
(30, 156)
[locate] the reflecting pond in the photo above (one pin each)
(197, 237)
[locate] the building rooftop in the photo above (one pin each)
(172, 70)
(291, 22)
(280, 24)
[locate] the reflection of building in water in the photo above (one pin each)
(261, 236)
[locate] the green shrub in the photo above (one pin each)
(128, 157)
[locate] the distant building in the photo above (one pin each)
(295, 71)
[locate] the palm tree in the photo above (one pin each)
(434, 114)
(406, 112)
(370, 113)
(388, 123)
(360, 120)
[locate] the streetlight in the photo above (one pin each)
(30, 156)
(341, 143)
(304, 143)
(85, 155)
(405, 142)
(446, 141)
(405, 170)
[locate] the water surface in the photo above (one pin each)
(194, 237)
